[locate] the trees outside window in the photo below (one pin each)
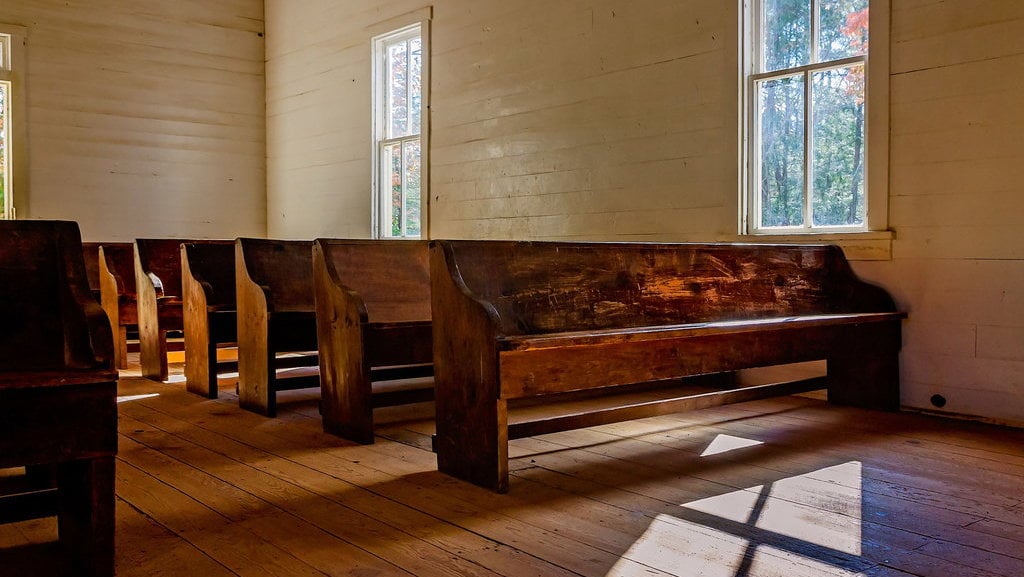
(5, 124)
(398, 111)
(808, 116)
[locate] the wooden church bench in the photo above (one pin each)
(523, 320)
(58, 390)
(158, 283)
(210, 319)
(91, 256)
(117, 294)
(373, 324)
(276, 320)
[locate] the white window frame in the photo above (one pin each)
(12, 66)
(876, 129)
(381, 213)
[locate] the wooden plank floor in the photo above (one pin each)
(788, 486)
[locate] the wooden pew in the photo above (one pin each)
(158, 282)
(373, 324)
(522, 320)
(209, 319)
(58, 389)
(91, 256)
(117, 294)
(276, 316)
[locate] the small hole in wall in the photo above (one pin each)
(938, 401)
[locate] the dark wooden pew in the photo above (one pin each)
(58, 390)
(373, 324)
(91, 255)
(276, 317)
(117, 294)
(210, 319)
(158, 283)
(521, 320)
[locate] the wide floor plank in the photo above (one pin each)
(788, 486)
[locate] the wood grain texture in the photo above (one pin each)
(58, 385)
(276, 314)
(165, 118)
(159, 299)
(552, 318)
(117, 294)
(372, 311)
(209, 310)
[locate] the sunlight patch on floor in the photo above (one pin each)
(127, 398)
(726, 443)
(803, 525)
(803, 507)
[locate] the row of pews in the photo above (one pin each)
(500, 325)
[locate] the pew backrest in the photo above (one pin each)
(50, 319)
(541, 287)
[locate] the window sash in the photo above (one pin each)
(383, 134)
(385, 199)
(757, 78)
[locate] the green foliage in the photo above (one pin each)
(836, 158)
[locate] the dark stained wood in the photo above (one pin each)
(210, 317)
(58, 386)
(373, 312)
(116, 276)
(518, 320)
(158, 282)
(276, 315)
(91, 256)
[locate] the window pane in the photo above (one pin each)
(781, 122)
(4, 92)
(842, 29)
(838, 145)
(415, 84)
(398, 94)
(786, 34)
(412, 187)
(391, 182)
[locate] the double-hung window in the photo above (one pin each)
(807, 124)
(6, 190)
(399, 118)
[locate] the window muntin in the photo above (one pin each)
(808, 118)
(398, 105)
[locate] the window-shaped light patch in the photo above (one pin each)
(726, 443)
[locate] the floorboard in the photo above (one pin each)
(789, 486)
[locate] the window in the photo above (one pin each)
(13, 165)
(6, 205)
(399, 120)
(807, 128)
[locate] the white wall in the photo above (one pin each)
(957, 203)
(146, 118)
(606, 119)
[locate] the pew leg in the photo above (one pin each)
(256, 379)
(868, 381)
(347, 402)
(475, 448)
(86, 514)
(201, 367)
(153, 354)
(121, 347)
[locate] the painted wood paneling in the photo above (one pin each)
(611, 120)
(145, 118)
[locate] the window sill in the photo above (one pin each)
(873, 245)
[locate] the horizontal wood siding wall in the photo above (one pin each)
(957, 203)
(146, 118)
(596, 119)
